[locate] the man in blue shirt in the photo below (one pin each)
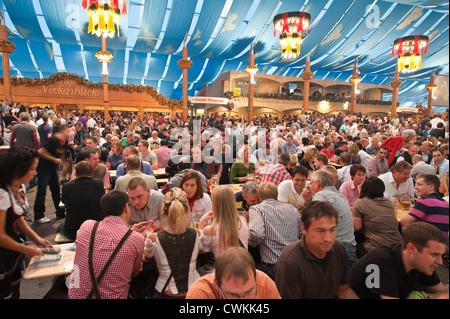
(288, 147)
(440, 162)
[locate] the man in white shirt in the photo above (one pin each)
(290, 191)
(437, 119)
(398, 181)
(91, 122)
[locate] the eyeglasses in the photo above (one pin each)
(249, 295)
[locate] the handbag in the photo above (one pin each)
(96, 281)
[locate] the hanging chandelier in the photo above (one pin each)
(104, 16)
(408, 50)
(293, 27)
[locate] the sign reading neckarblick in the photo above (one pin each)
(208, 100)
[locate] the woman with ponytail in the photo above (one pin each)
(175, 248)
(228, 228)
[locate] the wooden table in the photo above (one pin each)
(160, 172)
(112, 173)
(62, 268)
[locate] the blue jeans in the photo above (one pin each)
(44, 180)
(352, 258)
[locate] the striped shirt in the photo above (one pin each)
(127, 263)
(432, 209)
(206, 288)
(273, 225)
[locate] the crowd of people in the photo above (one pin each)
(317, 203)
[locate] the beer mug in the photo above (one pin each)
(250, 177)
(405, 202)
(213, 182)
(262, 162)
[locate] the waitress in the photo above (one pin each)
(17, 167)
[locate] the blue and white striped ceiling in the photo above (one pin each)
(51, 36)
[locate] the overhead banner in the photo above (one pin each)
(407, 110)
(208, 100)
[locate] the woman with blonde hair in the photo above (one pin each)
(228, 228)
(354, 152)
(175, 248)
(242, 166)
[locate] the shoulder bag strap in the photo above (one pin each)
(96, 282)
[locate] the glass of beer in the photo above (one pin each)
(250, 177)
(405, 202)
(152, 147)
(262, 162)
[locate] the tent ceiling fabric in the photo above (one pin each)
(51, 36)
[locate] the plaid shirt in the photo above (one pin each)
(377, 166)
(275, 173)
(127, 263)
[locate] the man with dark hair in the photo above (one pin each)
(378, 165)
(399, 271)
(47, 175)
(81, 198)
(235, 277)
(430, 207)
(290, 191)
(315, 267)
(322, 189)
(440, 162)
(111, 230)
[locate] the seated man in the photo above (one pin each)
(382, 274)
(81, 198)
(145, 203)
(322, 189)
(320, 161)
(163, 154)
(126, 264)
(440, 162)
(398, 181)
(290, 191)
(248, 196)
(420, 167)
(299, 274)
(273, 225)
(146, 155)
(100, 170)
(430, 207)
(378, 165)
(132, 165)
(235, 276)
(145, 167)
(276, 173)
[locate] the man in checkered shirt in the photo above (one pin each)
(276, 173)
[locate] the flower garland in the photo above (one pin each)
(64, 76)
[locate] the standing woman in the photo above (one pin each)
(198, 200)
(17, 167)
(228, 228)
(175, 248)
